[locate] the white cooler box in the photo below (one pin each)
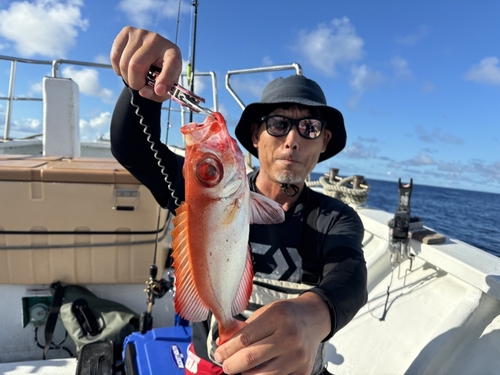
(81, 220)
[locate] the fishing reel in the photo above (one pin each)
(154, 289)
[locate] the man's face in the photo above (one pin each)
(290, 158)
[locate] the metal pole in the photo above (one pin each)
(8, 110)
(195, 18)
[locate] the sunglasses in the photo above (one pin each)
(278, 126)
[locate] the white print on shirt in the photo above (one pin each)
(192, 362)
(282, 262)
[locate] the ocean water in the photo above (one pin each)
(469, 216)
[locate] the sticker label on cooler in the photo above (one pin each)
(177, 356)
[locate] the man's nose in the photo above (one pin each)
(292, 138)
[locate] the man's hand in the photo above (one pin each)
(280, 338)
(134, 51)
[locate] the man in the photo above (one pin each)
(316, 253)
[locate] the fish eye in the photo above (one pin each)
(209, 172)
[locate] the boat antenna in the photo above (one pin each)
(191, 64)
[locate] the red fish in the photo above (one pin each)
(213, 267)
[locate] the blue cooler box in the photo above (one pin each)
(159, 351)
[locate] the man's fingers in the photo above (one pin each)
(138, 57)
(116, 52)
(245, 337)
(171, 70)
(134, 51)
(258, 355)
(154, 50)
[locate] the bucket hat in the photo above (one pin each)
(295, 89)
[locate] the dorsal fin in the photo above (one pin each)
(187, 302)
(264, 210)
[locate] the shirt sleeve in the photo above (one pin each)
(135, 142)
(344, 283)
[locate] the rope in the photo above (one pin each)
(339, 190)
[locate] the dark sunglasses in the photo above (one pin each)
(278, 126)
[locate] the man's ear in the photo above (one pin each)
(326, 138)
(254, 128)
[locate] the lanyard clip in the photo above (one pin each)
(180, 94)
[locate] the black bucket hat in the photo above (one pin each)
(295, 89)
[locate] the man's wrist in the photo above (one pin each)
(319, 313)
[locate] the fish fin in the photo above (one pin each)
(226, 334)
(264, 210)
(244, 292)
(187, 302)
(233, 212)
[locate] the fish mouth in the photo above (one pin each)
(199, 132)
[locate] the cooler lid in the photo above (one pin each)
(62, 169)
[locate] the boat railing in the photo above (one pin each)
(56, 64)
(11, 97)
(264, 69)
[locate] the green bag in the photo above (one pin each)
(88, 318)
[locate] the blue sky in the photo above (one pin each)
(418, 82)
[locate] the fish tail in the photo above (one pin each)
(225, 333)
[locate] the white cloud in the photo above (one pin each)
(362, 79)
(401, 67)
(357, 150)
(427, 87)
(36, 87)
(487, 71)
(88, 82)
(491, 171)
(412, 39)
(145, 12)
(102, 59)
(331, 45)
(95, 127)
(34, 123)
(25, 127)
(437, 135)
(421, 160)
(43, 27)
(267, 61)
(368, 140)
(251, 87)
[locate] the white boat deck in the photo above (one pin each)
(436, 321)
